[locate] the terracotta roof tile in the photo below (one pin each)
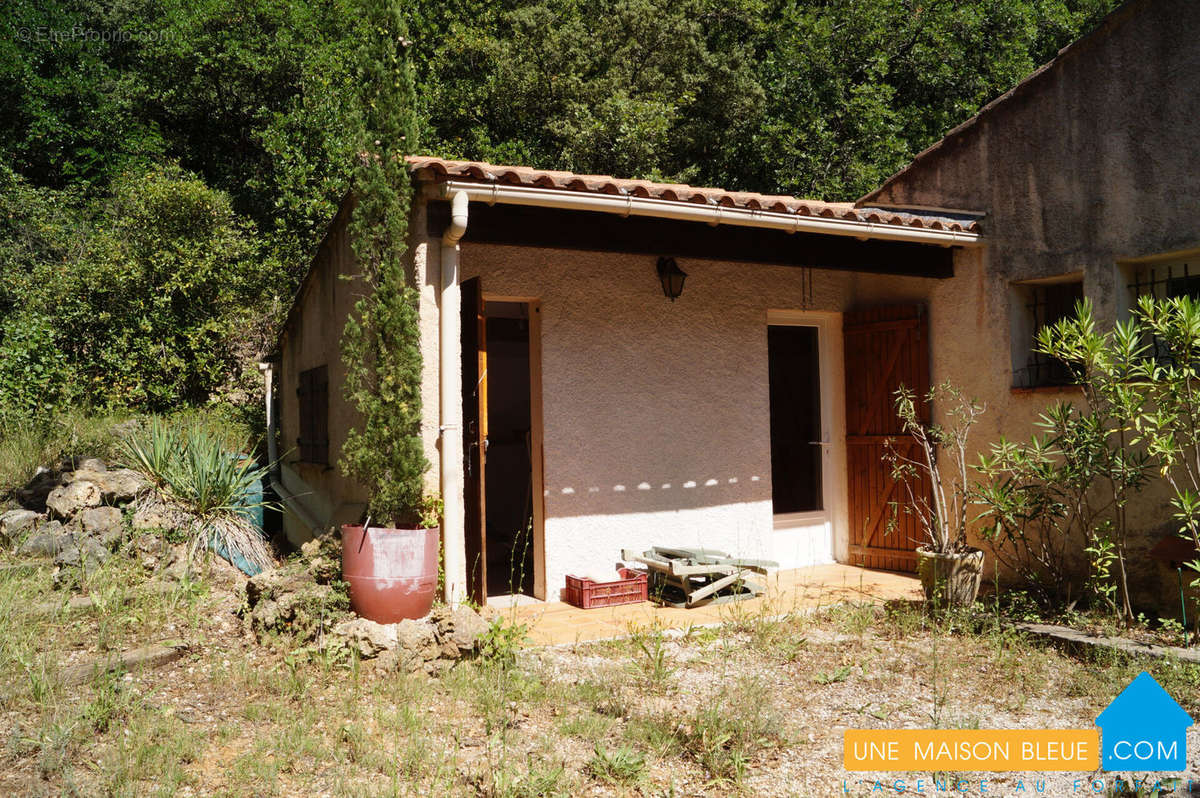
(439, 169)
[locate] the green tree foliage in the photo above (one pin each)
(381, 343)
(257, 97)
(258, 107)
(138, 303)
(823, 98)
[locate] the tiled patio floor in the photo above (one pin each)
(787, 591)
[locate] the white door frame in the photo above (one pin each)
(810, 538)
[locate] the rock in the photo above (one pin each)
(459, 628)
(48, 540)
(323, 555)
(67, 500)
(152, 516)
(139, 659)
(116, 487)
(367, 637)
(149, 544)
(273, 583)
(33, 495)
(176, 564)
(287, 601)
(417, 645)
(104, 523)
(84, 551)
(77, 560)
(14, 522)
(91, 464)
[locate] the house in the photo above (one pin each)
(1086, 173)
(1144, 728)
(618, 363)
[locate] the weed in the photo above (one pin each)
(622, 765)
(651, 658)
(585, 725)
(108, 703)
(539, 780)
(853, 618)
(501, 642)
(791, 648)
(839, 674)
(729, 730)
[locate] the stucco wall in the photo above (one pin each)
(1091, 162)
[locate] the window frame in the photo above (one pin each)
(1032, 308)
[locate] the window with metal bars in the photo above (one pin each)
(1042, 305)
(313, 395)
(1164, 281)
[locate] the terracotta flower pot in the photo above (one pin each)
(392, 572)
(950, 579)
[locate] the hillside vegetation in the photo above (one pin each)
(169, 166)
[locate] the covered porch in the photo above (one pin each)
(590, 402)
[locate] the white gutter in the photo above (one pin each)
(450, 397)
(290, 501)
(629, 205)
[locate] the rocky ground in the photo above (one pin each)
(269, 686)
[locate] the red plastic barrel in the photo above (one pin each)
(392, 572)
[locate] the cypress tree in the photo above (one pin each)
(381, 341)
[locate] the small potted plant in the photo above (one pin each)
(935, 481)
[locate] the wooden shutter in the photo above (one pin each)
(313, 396)
(886, 347)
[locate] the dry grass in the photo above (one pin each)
(757, 707)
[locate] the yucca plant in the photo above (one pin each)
(211, 479)
(152, 452)
(207, 488)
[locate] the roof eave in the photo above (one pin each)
(626, 204)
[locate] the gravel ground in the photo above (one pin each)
(759, 708)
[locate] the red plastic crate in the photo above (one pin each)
(588, 594)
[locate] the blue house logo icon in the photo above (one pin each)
(1144, 729)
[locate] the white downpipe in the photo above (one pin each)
(629, 205)
(450, 395)
(289, 501)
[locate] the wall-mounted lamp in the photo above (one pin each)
(672, 277)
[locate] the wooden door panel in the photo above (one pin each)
(474, 393)
(885, 347)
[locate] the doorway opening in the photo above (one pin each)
(504, 521)
(800, 424)
(793, 353)
(508, 469)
